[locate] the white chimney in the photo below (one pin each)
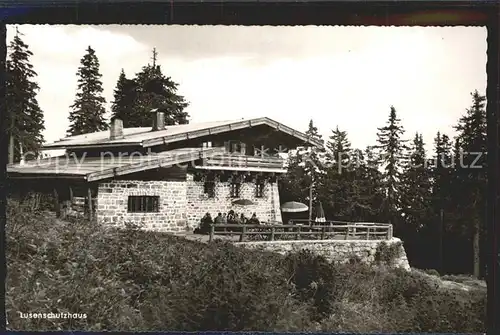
(158, 119)
(116, 130)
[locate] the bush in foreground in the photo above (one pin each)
(138, 281)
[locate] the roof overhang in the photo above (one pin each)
(172, 138)
(238, 125)
(93, 172)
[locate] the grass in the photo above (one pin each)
(132, 280)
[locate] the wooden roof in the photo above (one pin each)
(145, 137)
(97, 168)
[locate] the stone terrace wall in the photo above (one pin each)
(112, 202)
(333, 250)
(198, 203)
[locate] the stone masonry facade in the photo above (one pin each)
(181, 203)
(198, 203)
(333, 250)
(112, 203)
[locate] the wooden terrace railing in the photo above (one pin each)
(276, 232)
(243, 161)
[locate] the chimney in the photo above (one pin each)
(158, 119)
(116, 130)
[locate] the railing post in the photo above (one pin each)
(347, 233)
(272, 233)
(212, 232)
(90, 208)
(298, 233)
(323, 229)
(243, 231)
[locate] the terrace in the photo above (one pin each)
(332, 230)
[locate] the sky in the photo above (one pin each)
(336, 76)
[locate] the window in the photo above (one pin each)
(259, 189)
(209, 188)
(235, 190)
(143, 204)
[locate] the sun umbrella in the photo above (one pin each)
(294, 207)
(320, 213)
(243, 202)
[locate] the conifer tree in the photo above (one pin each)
(366, 188)
(416, 188)
(374, 187)
(293, 184)
(338, 149)
(471, 171)
(355, 193)
(392, 157)
(156, 91)
(124, 104)
(88, 112)
(305, 171)
(443, 211)
(442, 172)
(335, 188)
(25, 117)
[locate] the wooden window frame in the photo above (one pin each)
(234, 190)
(259, 189)
(209, 188)
(143, 204)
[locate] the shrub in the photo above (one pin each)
(313, 277)
(387, 253)
(450, 311)
(134, 280)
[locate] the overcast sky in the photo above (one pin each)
(337, 76)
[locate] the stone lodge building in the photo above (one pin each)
(164, 177)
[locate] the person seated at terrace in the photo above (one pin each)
(231, 217)
(243, 219)
(253, 219)
(218, 218)
(218, 221)
(224, 218)
(206, 221)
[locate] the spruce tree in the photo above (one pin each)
(124, 104)
(416, 186)
(335, 188)
(471, 171)
(392, 157)
(88, 112)
(366, 192)
(338, 149)
(305, 171)
(25, 117)
(373, 185)
(444, 213)
(293, 184)
(156, 91)
(442, 172)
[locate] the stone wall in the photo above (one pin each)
(198, 203)
(112, 203)
(333, 250)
